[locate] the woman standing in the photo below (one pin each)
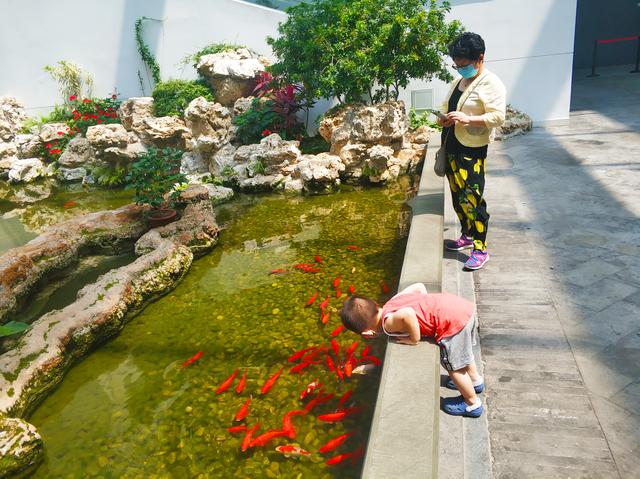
(475, 106)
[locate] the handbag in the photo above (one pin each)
(440, 165)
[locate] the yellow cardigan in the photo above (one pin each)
(486, 97)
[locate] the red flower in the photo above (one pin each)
(86, 100)
(99, 121)
(55, 151)
(265, 132)
(73, 97)
(94, 116)
(48, 145)
(85, 116)
(60, 133)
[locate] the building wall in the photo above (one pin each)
(529, 44)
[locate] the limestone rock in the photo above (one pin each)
(20, 446)
(293, 185)
(133, 111)
(6, 164)
(272, 156)
(107, 136)
(52, 131)
(210, 125)
(262, 183)
(28, 145)
(26, 170)
(8, 148)
(323, 168)
(242, 105)
(193, 163)
(77, 152)
(223, 158)
(230, 73)
(128, 154)
(165, 131)
(219, 194)
(421, 135)
(71, 174)
(515, 123)
(11, 117)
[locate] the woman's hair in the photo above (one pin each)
(468, 45)
(359, 313)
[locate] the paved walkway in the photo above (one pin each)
(559, 302)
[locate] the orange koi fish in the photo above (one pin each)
(192, 359)
(270, 382)
(318, 259)
(344, 398)
(225, 385)
(324, 304)
(278, 271)
(299, 367)
(319, 399)
(246, 442)
(311, 270)
(235, 429)
(339, 372)
(365, 351)
(337, 331)
(338, 459)
(333, 416)
(352, 348)
(351, 289)
(334, 443)
(385, 288)
(330, 364)
(325, 318)
(312, 299)
(287, 425)
(268, 436)
(243, 411)
(371, 359)
(348, 366)
(312, 386)
(338, 293)
(242, 383)
(297, 355)
(336, 348)
(69, 204)
(310, 357)
(303, 265)
(353, 247)
(292, 450)
(336, 282)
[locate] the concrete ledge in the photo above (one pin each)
(404, 433)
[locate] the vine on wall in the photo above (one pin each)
(146, 55)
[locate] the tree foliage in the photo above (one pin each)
(363, 49)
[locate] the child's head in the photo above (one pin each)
(360, 314)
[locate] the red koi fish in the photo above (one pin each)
(312, 386)
(351, 349)
(192, 359)
(310, 357)
(338, 459)
(311, 270)
(225, 385)
(330, 364)
(278, 271)
(303, 265)
(287, 425)
(270, 382)
(297, 355)
(353, 247)
(325, 318)
(333, 416)
(352, 290)
(325, 303)
(69, 204)
(337, 331)
(235, 429)
(242, 383)
(312, 299)
(336, 282)
(348, 366)
(243, 411)
(339, 372)
(357, 454)
(336, 348)
(385, 288)
(344, 398)
(371, 359)
(268, 436)
(365, 351)
(246, 442)
(338, 293)
(299, 367)
(292, 450)
(318, 259)
(319, 399)
(334, 443)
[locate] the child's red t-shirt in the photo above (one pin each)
(440, 315)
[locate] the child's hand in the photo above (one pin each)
(405, 341)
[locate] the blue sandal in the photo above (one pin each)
(450, 385)
(457, 407)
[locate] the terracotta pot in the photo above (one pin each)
(162, 217)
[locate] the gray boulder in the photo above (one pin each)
(11, 117)
(26, 170)
(71, 174)
(77, 152)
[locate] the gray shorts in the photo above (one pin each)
(456, 351)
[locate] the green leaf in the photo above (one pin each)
(13, 327)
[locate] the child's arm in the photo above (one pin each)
(405, 321)
(414, 288)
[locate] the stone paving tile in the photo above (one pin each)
(590, 272)
(601, 294)
(518, 465)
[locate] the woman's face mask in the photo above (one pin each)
(468, 71)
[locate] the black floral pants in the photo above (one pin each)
(466, 182)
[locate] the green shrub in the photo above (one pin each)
(312, 145)
(110, 176)
(416, 120)
(255, 123)
(211, 49)
(171, 98)
(363, 48)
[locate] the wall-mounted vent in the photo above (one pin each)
(422, 100)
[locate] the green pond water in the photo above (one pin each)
(130, 411)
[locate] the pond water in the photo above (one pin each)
(131, 411)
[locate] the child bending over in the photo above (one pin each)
(411, 314)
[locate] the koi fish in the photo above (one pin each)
(303, 265)
(319, 399)
(385, 288)
(333, 416)
(292, 450)
(69, 204)
(353, 247)
(246, 441)
(243, 411)
(311, 270)
(312, 386)
(318, 259)
(225, 385)
(352, 348)
(365, 351)
(348, 367)
(242, 383)
(277, 271)
(192, 359)
(371, 359)
(338, 459)
(357, 454)
(266, 437)
(337, 331)
(344, 398)
(325, 318)
(336, 282)
(235, 429)
(338, 293)
(339, 372)
(351, 289)
(334, 443)
(270, 382)
(310, 357)
(312, 299)
(287, 425)
(324, 304)
(299, 367)
(336, 348)
(330, 364)
(297, 355)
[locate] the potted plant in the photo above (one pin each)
(154, 176)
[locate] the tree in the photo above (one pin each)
(350, 49)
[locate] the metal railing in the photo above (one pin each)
(614, 40)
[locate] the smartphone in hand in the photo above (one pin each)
(439, 114)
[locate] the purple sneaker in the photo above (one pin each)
(461, 243)
(477, 259)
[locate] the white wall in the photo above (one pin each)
(529, 44)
